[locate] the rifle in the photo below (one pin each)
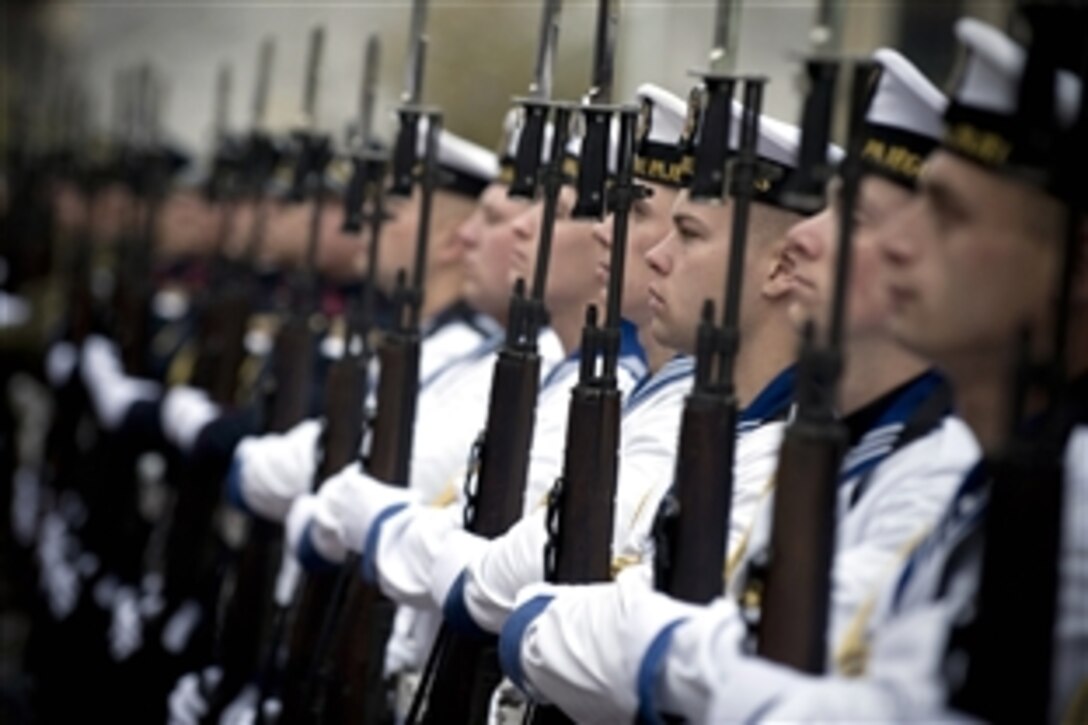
(535, 106)
(1028, 480)
(367, 615)
(581, 506)
(220, 356)
(462, 672)
(692, 531)
(792, 625)
(346, 388)
(346, 670)
(241, 629)
(596, 114)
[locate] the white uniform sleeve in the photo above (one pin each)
(906, 495)
(575, 650)
(112, 392)
(351, 507)
(270, 471)
(185, 412)
(407, 547)
(488, 591)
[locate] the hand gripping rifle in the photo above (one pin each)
(792, 625)
(241, 628)
(582, 503)
(1024, 521)
(535, 107)
(191, 545)
(346, 676)
(346, 389)
(461, 672)
(691, 532)
(596, 115)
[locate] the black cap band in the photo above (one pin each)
(894, 153)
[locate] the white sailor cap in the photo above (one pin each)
(777, 149)
(467, 168)
(660, 155)
(984, 122)
(904, 121)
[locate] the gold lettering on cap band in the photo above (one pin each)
(987, 146)
(893, 157)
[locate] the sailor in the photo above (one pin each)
(343, 512)
(906, 454)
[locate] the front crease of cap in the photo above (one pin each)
(983, 125)
(660, 155)
(904, 122)
(466, 168)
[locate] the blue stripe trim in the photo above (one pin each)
(678, 369)
(512, 634)
(773, 401)
(485, 348)
(457, 615)
(308, 555)
(235, 494)
(370, 546)
(630, 347)
(650, 671)
(881, 440)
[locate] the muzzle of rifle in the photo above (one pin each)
(530, 144)
(806, 189)
(405, 152)
(712, 139)
(593, 164)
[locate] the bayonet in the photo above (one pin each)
(417, 54)
(372, 58)
(541, 86)
(363, 166)
(221, 112)
(313, 64)
(723, 53)
(265, 58)
(604, 48)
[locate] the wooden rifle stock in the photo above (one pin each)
(691, 565)
(247, 614)
(796, 599)
(466, 670)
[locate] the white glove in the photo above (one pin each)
(351, 503)
(185, 412)
(112, 392)
(585, 649)
(181, 625)
(126, 626)
(26, 495)
(14, 310)
(243, 709)
(186, 704)
(60, 363)
(502, 569)
(272, 470)
(315, 545)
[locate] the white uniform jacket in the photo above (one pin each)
(456, 358)
(658, 672)
(483, 595)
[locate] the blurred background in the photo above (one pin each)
(481, 53)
